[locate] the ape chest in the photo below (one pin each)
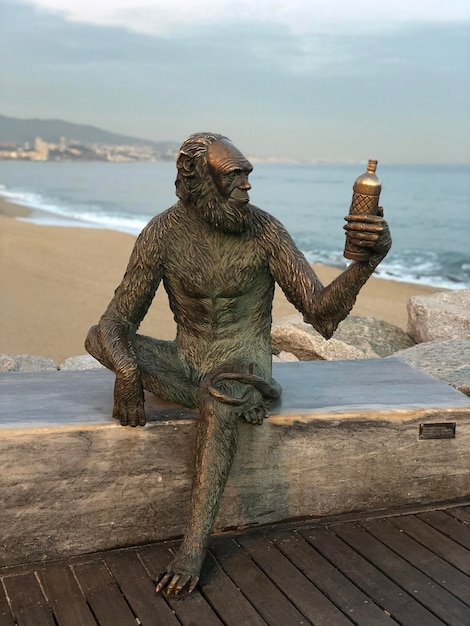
(224, 272)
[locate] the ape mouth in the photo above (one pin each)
(240, 197)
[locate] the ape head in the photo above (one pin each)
(212, 180)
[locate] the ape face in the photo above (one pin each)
(229, 170)
(213, 183)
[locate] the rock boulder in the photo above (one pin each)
(25, 363)
(355, 338)
(440, 316)
(447, 360)
(82, 362)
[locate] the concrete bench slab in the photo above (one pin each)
(343, 438)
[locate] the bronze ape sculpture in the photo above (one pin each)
(219, 258)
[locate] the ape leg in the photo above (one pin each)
(162, 372)
(216, 446)
(94, 347)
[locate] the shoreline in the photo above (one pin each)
(56, 282)
(12, 209)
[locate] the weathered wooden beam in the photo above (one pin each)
(344, 438)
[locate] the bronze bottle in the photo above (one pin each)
(365, 199)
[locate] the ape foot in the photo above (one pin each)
(255, 415)
(181, 576)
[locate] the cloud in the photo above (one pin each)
(164, 18)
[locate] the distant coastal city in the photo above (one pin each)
(58, 140)
(70, 150)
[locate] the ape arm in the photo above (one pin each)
(322, 307)
(122, 318)
(332, 304)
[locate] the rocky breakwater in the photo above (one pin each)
(440, 325)
(437, 340)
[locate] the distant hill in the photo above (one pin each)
(18, 131)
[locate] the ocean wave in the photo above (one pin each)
(23, 198)
(448, 270)
(47, 213)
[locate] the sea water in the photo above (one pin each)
(426, 206)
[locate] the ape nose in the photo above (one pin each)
(244, 184)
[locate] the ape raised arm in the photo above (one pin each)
(219, 258)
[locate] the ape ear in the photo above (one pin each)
(186, 164)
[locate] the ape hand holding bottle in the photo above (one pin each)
(365, 200)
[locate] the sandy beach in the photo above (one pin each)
(56, 282)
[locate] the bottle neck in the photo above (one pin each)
(371, 166)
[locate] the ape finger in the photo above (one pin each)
(162, 581)
(193, 584)
(255, 416)
(366, 227)
(170, 589)
(137, 418)
(123, 418)
(361, 243)
(371, 235)
(364, 217)
(250, 416)
(183, 580)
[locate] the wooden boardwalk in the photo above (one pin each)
(411, 569)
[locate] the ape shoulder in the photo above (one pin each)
(164, 222)
(156, 234)
(271, 232)
(264, 221)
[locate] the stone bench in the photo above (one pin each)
(344, 438)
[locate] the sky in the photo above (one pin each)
(296, 79)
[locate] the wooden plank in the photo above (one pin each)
(271, 603)
(447, 607)
(435, 541)
(359, 607)
(421, 557)
(103, 595)
(461, 513)
(28, 603)
(139, 590)
(388, 595)
(6, 618)
(222, 594)
(155, 559)
(448, 525)
(310, 601)
(344, 594)
(65, 597)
